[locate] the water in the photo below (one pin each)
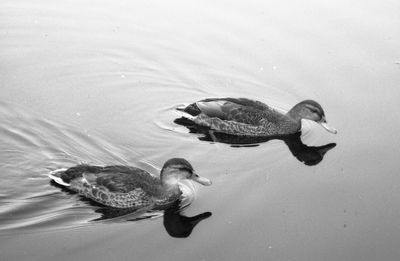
(98, 83)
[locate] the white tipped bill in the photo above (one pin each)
(201, 180)
(326, 127)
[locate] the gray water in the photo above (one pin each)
(98, 82)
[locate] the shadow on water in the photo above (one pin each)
(176, 224)
(309, 155)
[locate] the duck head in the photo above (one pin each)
(177, 169)
(310, 110)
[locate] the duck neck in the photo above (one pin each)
(169, 183)
(294, 114)
(293, 120)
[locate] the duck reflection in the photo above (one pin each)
(309, 155)
(176, 224)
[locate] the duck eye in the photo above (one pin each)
(185, 169)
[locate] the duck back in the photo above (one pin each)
(114, 186)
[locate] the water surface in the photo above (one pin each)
(98, 83)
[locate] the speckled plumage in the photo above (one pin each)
(241, 116)
(124, 186)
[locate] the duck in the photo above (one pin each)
(124, 187)
(242, 116)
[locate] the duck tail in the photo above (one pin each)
(184, 114)
(191, 109)
(56, 176)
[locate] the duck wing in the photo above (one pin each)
(123, 180)
(239, 110)
(116, 179)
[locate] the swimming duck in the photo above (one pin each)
(241, 116)
(128, 187)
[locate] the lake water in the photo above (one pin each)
(97, 82)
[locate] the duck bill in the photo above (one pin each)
(326, 127)
(201, 180)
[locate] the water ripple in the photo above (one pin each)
(31, 147)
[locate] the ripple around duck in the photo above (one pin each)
(25, 215)
(32, 146)
(165, 118)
